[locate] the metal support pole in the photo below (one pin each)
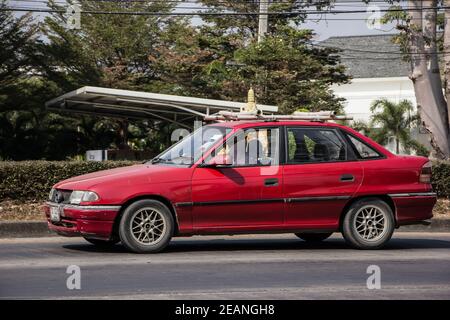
(263, 19)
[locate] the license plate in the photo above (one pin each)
(54, 214)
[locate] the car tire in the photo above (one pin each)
(146, 226)
(368, 224)
(102, 243)
(314, 237)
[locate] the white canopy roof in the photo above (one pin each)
(143, 105)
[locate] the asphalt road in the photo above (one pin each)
(413, 266)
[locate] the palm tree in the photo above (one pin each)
(394, 120)
(362, 127)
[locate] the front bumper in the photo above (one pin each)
(87, 221)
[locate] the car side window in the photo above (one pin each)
(309, 145)
(251, 147)
(362, 149)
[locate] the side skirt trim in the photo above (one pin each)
(413, 194)
(287, 200)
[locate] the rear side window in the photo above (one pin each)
(306, 145)
(362, 150)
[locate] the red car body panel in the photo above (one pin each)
(326, 196)
(253, 203)
(236, 200)
(90, 223)
(412, 209)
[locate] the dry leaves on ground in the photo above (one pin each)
(15, 210)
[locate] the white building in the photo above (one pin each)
(361, 92)
(378, 71)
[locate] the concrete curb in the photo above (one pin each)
(24, 229)
(437, 225)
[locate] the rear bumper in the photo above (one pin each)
(87, 221)
(413, 207)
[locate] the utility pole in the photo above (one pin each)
(263, 18)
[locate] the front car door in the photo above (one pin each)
(246, 195)
(321, 174)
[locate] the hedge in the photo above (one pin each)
(441, 178)
(32, 180)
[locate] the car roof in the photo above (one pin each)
(265, 123)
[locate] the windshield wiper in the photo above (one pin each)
(170, 161)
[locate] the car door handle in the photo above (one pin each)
(271, 182)
(347, 178)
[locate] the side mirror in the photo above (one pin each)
(219, 161)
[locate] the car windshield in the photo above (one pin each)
(192, 147)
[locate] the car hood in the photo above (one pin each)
(136, 174)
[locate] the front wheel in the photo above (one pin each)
(146, 226)
(368, 224)
(313, 237)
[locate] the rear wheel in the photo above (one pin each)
(368, 224)
(314, 237)
(102, 243)
(146, 226)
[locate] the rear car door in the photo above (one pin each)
(321, 173)
(246, 195)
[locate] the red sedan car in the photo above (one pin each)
(307, 178)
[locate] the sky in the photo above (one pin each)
(349, 23)
(344, 24)
(324, 26)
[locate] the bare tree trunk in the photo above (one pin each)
(447, 56)
(429, 34)
(427, 101)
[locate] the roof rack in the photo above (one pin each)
(257, 115)
(251, 112)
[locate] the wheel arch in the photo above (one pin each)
(159, 198)
(383, 197)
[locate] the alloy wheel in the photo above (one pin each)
(148, 226)
(370, 223)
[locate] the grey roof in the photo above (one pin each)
(371, 56)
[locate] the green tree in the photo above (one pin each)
(22, 120)
(362, 127)
(422, 41)
(29, 77)
(394, 120)
(218, 58)
(284, 70)
(111, 50)
(28, 131)
(116, 51)
(222, 59)
(16, 43)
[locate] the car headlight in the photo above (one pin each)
(51, 195)
(82, 196)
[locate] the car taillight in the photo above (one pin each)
(425, 173)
